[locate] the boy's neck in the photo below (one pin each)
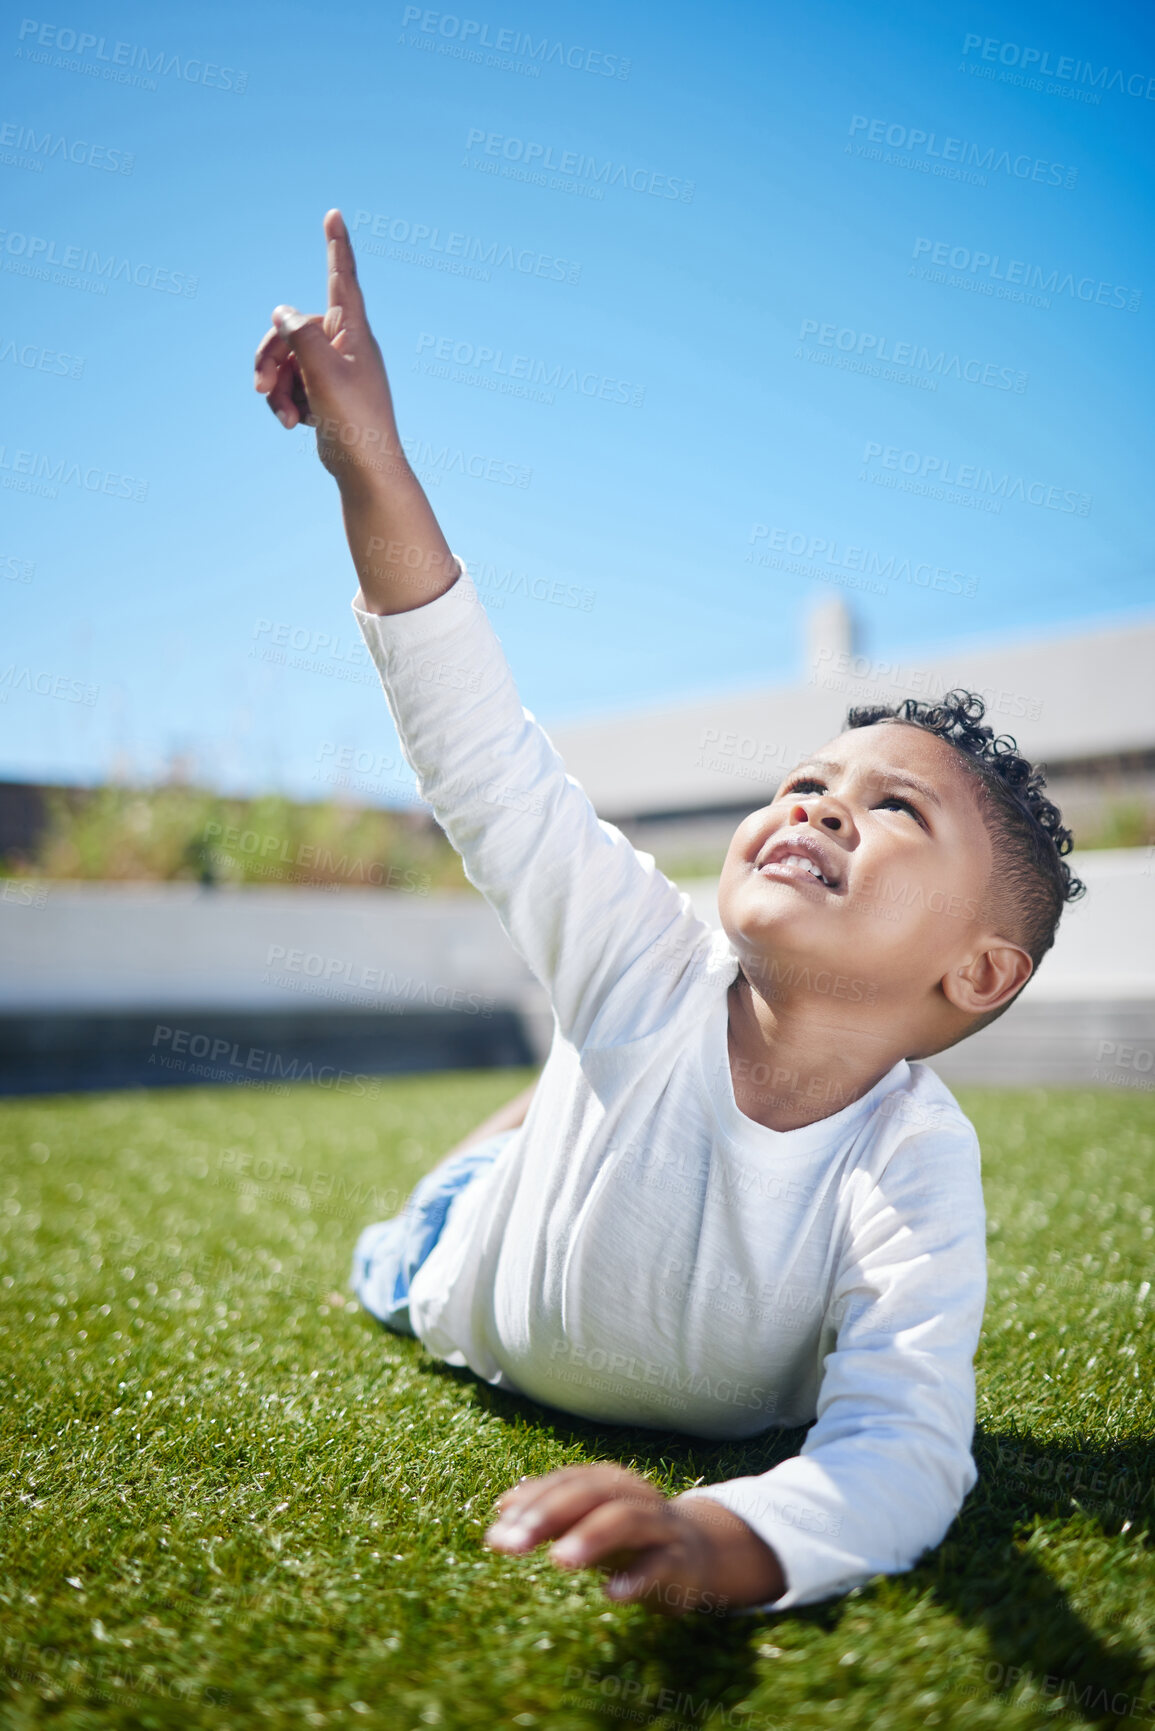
(794, 1065)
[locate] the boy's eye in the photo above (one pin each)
(805, 784)
(896, 800)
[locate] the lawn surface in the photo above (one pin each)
(229, 1499)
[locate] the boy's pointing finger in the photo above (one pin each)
(344, 289)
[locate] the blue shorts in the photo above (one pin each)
(389, 1254)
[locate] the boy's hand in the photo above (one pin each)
(675, 1554)
(327, 371)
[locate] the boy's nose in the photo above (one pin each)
(828, 819)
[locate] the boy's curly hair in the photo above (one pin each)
(1034, 882)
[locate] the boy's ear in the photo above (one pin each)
(989, 980)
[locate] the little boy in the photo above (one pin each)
(737, 1199)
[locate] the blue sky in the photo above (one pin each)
(795, 202)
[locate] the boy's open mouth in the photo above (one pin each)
(799, 859)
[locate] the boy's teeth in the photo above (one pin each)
(807, 865)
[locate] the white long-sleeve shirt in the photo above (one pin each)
(642, 1252)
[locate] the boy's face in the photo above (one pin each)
(870, 867)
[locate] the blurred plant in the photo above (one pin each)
(1127, 823)
(682, 867)
(174, 833)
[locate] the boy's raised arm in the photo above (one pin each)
(327, 371)
(579, 903)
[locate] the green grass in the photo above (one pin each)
(229, 1499)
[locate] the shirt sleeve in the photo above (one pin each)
(887, 1464)
(580, 904)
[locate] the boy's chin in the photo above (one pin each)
(761, 904)
(783, 926)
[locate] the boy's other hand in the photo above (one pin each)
(326, 370)
(674, 1554)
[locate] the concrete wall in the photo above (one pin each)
(120, 985)
(135, 946)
